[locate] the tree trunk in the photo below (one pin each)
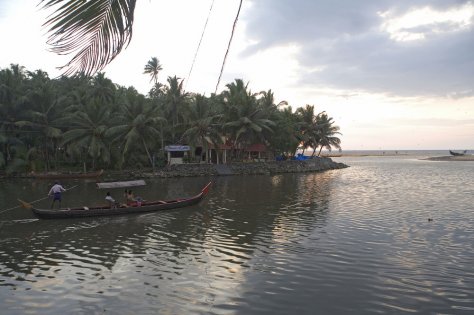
(162, 141)
(320, 149)
(147, 152)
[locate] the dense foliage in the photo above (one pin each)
(89, 122)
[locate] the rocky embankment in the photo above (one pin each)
(257, 168)
(192, 170)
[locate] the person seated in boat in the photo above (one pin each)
(130, 197)
(134, 201)
(56, 191)
(111, 200)
(138, 201)
(125, 197)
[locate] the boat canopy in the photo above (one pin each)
(130, 183)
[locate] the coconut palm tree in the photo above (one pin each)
(203, 126)
(267, 102)
(153, 67)
(102, 89)
(157, 91)
(175, 102)
(285, 139)
(308, 127)
(327, 132)
(95, 31)
(12, 104)
(87, 134)
(40, 116)
(136, 125)
(245, 121)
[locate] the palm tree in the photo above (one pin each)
(87, 133)
(103, 89)
(245, 121)
(309, 128)
(175, 102)
(327, 132)
(285, 139)
(157, 91)
(95, 31)
(203, 128)
(40, 117)
(267, 102)
(135, 126)
(12, 104)
(153, 67)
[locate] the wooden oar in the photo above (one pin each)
(24, 204)
(27, 205)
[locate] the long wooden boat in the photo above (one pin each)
(66, 175)
(145, 206)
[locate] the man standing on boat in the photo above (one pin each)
(56, 191)
(111, 200)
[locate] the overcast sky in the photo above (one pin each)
(393, 74)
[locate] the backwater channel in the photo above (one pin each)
(349, 241)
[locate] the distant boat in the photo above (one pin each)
(457, 153)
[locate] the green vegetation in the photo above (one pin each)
(83, 122)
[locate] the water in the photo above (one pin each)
(350, 241)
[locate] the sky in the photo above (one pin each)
(393, 74)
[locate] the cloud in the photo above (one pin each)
(348, 45)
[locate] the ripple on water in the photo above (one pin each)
(334, 242)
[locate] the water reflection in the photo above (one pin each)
(258, 244)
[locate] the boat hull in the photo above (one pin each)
(67, 176)
(107, 211)
(457, 153)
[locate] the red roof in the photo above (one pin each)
(221, 146)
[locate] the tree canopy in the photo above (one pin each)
(68, 122)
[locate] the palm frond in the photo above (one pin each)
(96, 31)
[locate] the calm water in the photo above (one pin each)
(351, 241)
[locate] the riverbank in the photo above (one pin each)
(469, 157)
(193, 170)
(256, 168)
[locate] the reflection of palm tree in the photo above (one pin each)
(153, 67)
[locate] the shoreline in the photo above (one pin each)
(231, 169)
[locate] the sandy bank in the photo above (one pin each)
(451, 158)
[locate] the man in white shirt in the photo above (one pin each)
(56, 191)
(111, 200)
